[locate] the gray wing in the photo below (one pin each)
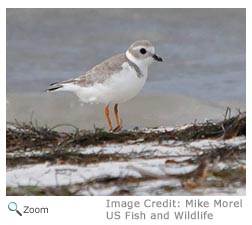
(97, 74)
(102, 71)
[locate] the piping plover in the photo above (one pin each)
(115, 80)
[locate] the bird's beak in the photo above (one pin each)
(157, 58)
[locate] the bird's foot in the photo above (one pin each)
(117, 129)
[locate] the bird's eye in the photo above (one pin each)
(143, 51)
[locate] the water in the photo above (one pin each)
(204, 50)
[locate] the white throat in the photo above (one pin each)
(142, 65)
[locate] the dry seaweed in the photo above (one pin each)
(31, 144)
(27, 137)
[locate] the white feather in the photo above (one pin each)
(120, 88)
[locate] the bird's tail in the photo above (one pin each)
(66, 85)
(54, 86)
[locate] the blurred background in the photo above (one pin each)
(204, 53)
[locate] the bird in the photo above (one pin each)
(114, 81)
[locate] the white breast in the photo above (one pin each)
(119, 88)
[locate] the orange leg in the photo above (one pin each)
(108, 118)
(118, 121)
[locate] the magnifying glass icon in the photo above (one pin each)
(13, 207)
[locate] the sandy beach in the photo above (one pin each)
(196, 159)
(143, 111)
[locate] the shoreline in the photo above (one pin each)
(142, 111)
